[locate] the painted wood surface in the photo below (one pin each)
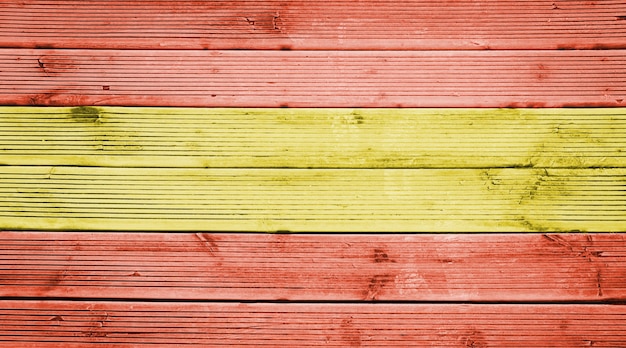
(319, 267)
(378, 170)
(313, 138)
(135, 324)
(246, 78)
(314, 200)
(338, 24)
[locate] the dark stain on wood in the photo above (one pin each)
(601, 47)
(350, 334)
(44, 46)
(57, 278)
(533, 226)
(381, 256)
(446, 261)
(376, 285)
(86, 114)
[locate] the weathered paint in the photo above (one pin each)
(332, 25)
(313, 138)
(373, 170)
(324, 200)
(139, 324)
(246, 78)
(280, 267)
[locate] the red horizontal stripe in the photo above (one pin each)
(133, 324)
(343, 24)
(188, 266)
(313, 78)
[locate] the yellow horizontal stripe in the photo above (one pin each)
(391, 200)
(321, 138)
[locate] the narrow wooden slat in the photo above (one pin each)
(409, 200)
(313, 138)
(337, 24)
(375, 267)
(313, 78)
(119, 324)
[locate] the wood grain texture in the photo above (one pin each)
(373, 267)
(339, 24)
(133, 324)
(246, 78)
(316, 200)
(313, 138)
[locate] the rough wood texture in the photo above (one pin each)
(328, 200)
(337, 24)
(540, 78)
(313, 138)
(72, 324)
(203, 266)
(196, 171)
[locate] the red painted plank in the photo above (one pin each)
(313, 79)
(132, 324)
(491, 267)
(301, 24)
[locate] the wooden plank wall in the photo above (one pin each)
(147, 147)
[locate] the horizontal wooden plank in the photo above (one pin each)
(313, 138)
(132, 324)
(324, 267)
(247, 78)
(339, 200)
(338, 24)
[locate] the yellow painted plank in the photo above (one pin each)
(328, 200)
(321, 138)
